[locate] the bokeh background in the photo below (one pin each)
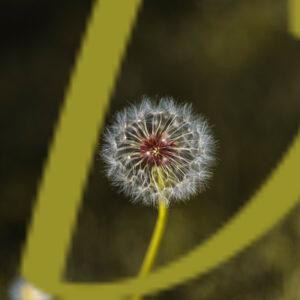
(238, 66)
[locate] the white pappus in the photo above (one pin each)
(160, 135)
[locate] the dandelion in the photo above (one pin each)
(157, 153)
(22, 290)
(164, 140)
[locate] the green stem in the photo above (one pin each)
(156, 236)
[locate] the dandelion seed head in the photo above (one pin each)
(165, 136)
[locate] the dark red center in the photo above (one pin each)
(157, 150)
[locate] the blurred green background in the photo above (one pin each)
(236, 63)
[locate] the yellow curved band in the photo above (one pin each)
(70, 157)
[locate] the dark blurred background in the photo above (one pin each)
(236, 63)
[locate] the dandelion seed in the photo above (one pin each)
(165, 136)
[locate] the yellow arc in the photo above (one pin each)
(70, 158)
(272, 202)
(294, 17)
(76, 135)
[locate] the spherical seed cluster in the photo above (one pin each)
(158, 151)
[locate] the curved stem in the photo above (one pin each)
(156, 236)
(155, 240)
(154, 243)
